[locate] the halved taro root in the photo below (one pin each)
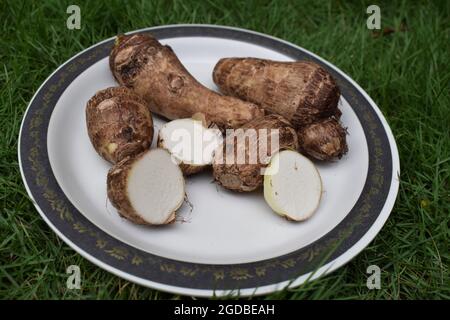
(191, 144)
(147, 189)
(292, 185)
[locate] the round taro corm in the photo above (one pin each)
(323, 140)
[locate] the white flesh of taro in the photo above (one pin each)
(155, 187)
(189, 141)
(292, 185)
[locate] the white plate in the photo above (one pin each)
(228, 241)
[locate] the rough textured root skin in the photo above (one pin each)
(117, 191)
(301, 91)
(323, 140)
(154, 72)
(247, 177)
(187, 169)
(119, 124)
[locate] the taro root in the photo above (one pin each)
(292, 185)
(247, 175)
(148, 188)
(323, 140)
(118, 123)
(190, 143)
(301, 91)
(153, 71)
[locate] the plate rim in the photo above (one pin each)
(327, 268)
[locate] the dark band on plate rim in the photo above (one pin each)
(54, 204)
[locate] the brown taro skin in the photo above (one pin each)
(245, 177)
(302, 91)
(323, 140)
(154, 72)
(119, 123)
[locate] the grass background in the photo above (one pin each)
(406, 72)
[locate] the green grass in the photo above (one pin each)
(406, 73)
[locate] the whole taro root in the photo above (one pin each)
(154, 72)
(119, 123)
(246, 175)
(301, 91)
(323, 140)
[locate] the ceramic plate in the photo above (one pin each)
(224, 242)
